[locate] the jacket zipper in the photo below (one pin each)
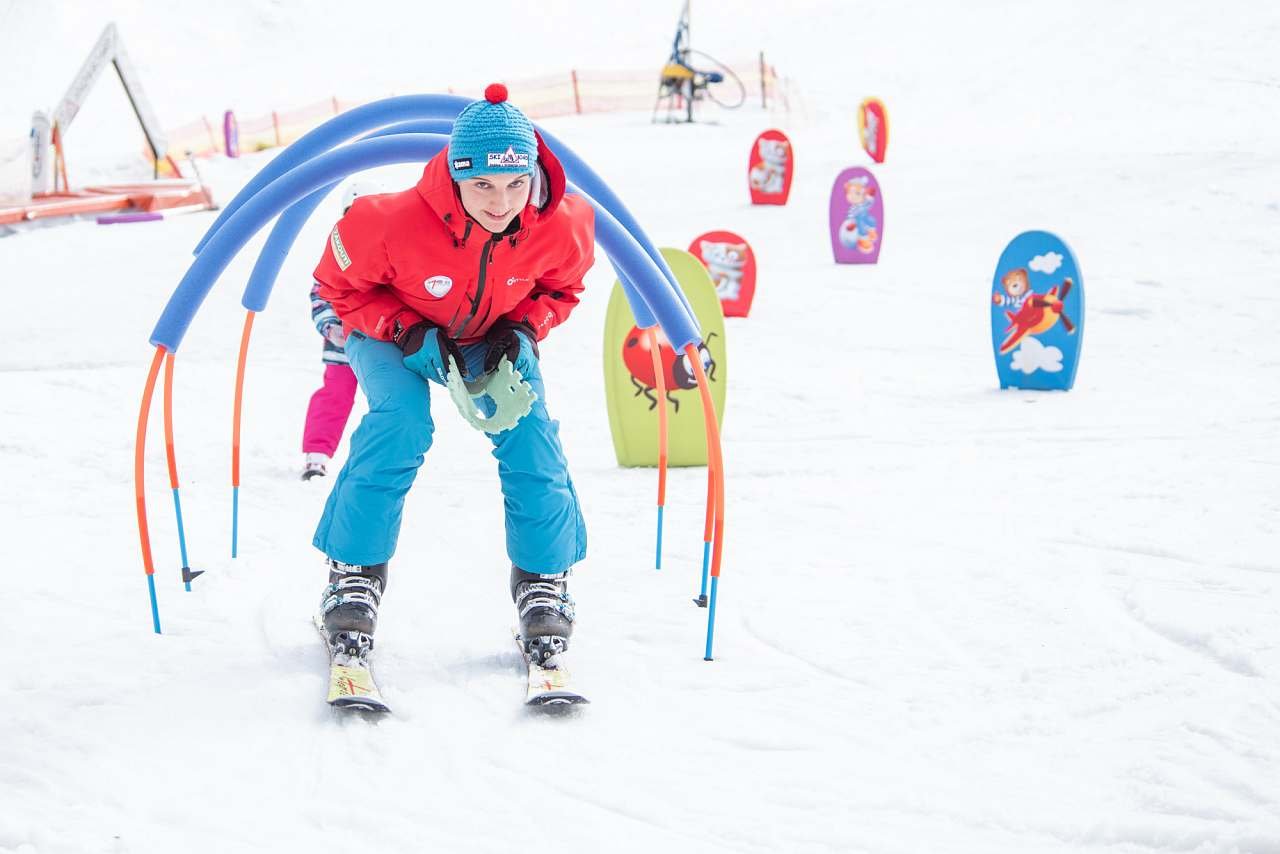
(486, 255)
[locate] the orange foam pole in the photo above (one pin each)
(708, 525)
(660, 379)
(139, 482)
(168, 421)
(239, 399)
(173, 468)
(235, 431)
(715, 458)
(660, 382)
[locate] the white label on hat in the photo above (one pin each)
(509, 158)
(438, 286)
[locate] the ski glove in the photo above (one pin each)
(427, 350)
(514, 339)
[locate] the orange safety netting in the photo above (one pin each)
(540, 97)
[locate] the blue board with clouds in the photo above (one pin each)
(1037, 313)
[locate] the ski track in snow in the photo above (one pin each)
(951, 618)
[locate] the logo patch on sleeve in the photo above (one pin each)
(508, 158)
(339, 251)
(461, 163)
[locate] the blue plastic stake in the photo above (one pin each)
(182, 537)
(658, 561)
(235, 518)
(155, 608)
(706, 569)
(711, 618)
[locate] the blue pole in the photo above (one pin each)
(182, 540)
(711, 619)
(701, 601)
(658, 561)
(155, 608)
(235, 518)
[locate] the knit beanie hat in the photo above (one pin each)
(491, 136)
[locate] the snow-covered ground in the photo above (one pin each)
(951, 618)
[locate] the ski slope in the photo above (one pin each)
(952, 619)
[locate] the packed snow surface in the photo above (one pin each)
(951, 618)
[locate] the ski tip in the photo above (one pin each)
(352, 704)
(556, 704)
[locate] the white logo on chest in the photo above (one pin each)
(438, 286)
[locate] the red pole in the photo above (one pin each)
(187, 574)
(275, 122)
(660, 380)
(336, 108)
(168, 422)
(577, 98)
(139, 482)
(235, 432)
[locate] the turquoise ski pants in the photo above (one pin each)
(361, 520)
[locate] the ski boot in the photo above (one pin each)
(546, 612)
(315, 465)
(349, 607)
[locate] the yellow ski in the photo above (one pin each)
(351, 684)
(548, 687)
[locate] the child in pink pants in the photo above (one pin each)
(331, 404)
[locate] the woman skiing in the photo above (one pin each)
(480, 260)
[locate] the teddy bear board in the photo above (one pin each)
(1037, 313)
(856, 217)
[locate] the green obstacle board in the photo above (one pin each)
(630, 382)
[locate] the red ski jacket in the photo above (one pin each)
(399, 258)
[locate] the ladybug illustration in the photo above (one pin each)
(676, 370)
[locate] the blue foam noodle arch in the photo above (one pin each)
(289, 225)
(443, 107)
(285, 232)
(649, 287)
(335, 131)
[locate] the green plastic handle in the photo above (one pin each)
(512, 397)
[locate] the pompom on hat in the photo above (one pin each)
(491, 136)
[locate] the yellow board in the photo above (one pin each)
(629, 379)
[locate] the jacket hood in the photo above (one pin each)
(437, 189)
